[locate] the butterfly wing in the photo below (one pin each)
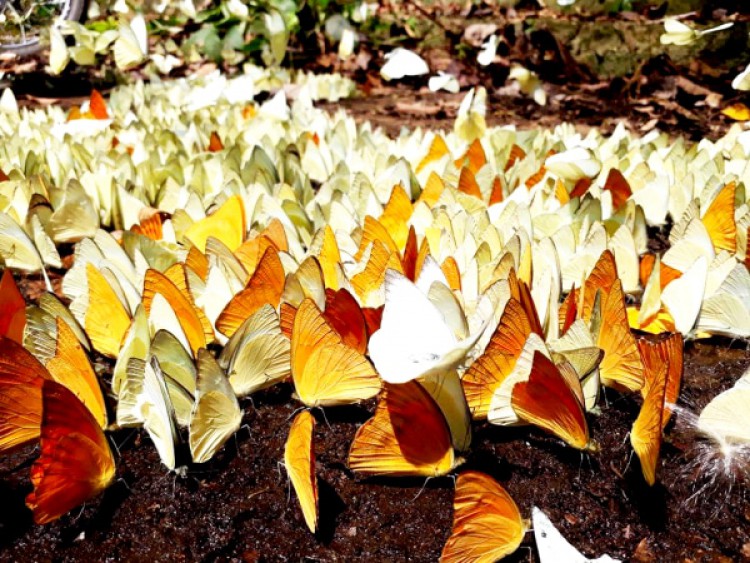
(325, 370)
(197, 330)
(646, 435)
(266, 286)
(71, 367)
(12, 309)
(21, 379)
(75, 464)
(344, 315)
(216, 414)
(258, 355)
(106, 319)
(547, 401)
(487, 524)
(227, 224)
(299, 460)
(392, 441)
(498, 359)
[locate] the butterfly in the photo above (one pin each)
(258, 355)
(12, 309)
(726, 418)
(75, 462)
(663, 362)
(299, 460)
(227, 224)
(402, 62)
(21, 379)
(131, 46)
(487, 525)
(470, 121)
(621, 364)
(173, 289)
(552, 399)
(414, 340)
(488, 371)
(265, 286)
(392, 441)
(553, 547)
(216, 414)
(325, 370)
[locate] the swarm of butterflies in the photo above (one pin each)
(481, 274)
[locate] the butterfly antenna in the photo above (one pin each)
(114, 445)
(80, 513)
(630, 458)
(626, 438)
(125, 440)
(295, 411)
(328, 424)
(421, 489)
(124, 482)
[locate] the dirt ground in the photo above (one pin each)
(238, 507)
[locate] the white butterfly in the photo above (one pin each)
(416, 338)
(553, 547)
(402, 62)
(131, 47)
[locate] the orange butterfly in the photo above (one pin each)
(393, 442)
(214, 143)
(173, 287)
(265, 286)
(344, 315)
(667, 349)
(21, 378)
(719, 219)
(12, 309)
(97, 108)
(516, 153)
(552, 399)
(197, 262)
(646, 435)
(488, 372)
(325, 370)
(438, 149)
(150, 225)
(467, 183)
(71, 367)
(663, 361)
(618, 186)
(621, 366)
(474, 158)
(666, 272)
(251, 251)
(487, 524)
(299, 460)
(75, 463)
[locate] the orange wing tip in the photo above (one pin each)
(75, 463)
(12, 308)
(546, 400)
(392, 442)
(487, 524)
(299, 459)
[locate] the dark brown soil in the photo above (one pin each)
(239, 506)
